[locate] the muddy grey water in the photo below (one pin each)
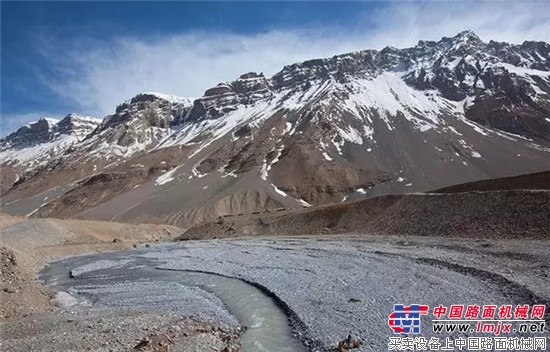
(136, 284)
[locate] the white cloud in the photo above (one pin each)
(511, 21)
(97, 76)
(186, 64)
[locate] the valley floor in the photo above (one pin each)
(328, 286)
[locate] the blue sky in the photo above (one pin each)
(87, 57)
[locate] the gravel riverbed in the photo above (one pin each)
(328, 287)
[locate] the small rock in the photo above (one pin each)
(349, 344)
(64, 300)
(230, 349)
(10, 289)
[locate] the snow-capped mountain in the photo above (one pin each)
(38, 142)
(326, 130)
(137, 125)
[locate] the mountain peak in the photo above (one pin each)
(42, 122)
(73, 116)
(174, 99)
(464, 37)
(31, 133)
(77, 124)
(467, 34)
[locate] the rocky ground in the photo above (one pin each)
(20, 293)
(35, 318)
(121, 331)
(328, 286)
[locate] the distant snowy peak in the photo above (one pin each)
(454, 71)
(49, 121)
(37, 142)
(154, 109)
(78, 125)
(463, 52)
(137, 125)
(35, 132)
(225, 97)
(148, 97)
(174, 99)
(46, 129)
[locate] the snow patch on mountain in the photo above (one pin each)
(279, 151)
(174, 99)
(166, 177)
(213, 129)
(282, 193)
(388, 95)
(304, 203)
(37, 155)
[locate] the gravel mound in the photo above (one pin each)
(495, 214)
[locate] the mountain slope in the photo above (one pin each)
(327, 130)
